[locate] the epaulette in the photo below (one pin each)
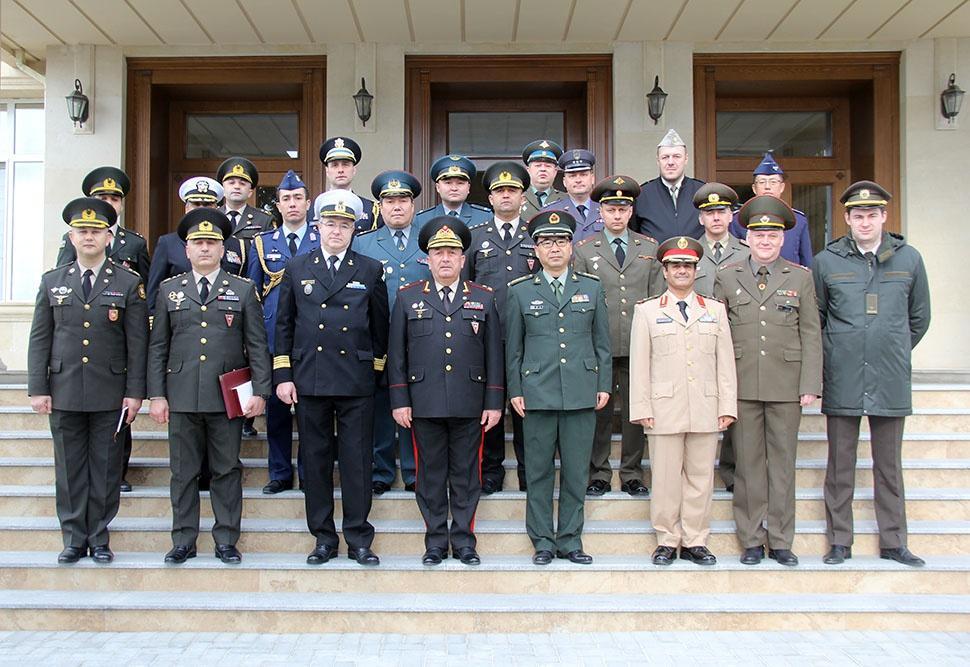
(479, 224)
(124, 268)
(484, 209)
(738, 265)
(56, 268)
(242, 278)
(744, 243)
(411, 284)
(651, 239)
(708, 296)
(649, 298)
(589, 275)
(480, 286)
(367, 231)
(584, 241)
(425, 211)
(168, 280)
(521, 279)
(133, 233)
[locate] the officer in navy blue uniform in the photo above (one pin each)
(452, 176)
(340, 156)
(268, 257)
(395, 246)
(331, 347)
(446, 379)
(665, 206)
(501, 251)
(578, 179)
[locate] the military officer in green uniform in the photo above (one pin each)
(207, 322)
(626, 264)
(874, 301)
(85, 362)
(558, 370)
(778, 354)
(541, 159)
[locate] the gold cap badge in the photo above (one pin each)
(764, 218)
(205, 226)
(108, 183)
(238, 169)
(88, 214)
(713, 198)
(618, 181)
(394, 184)
(554, 218)
(682, 243)
(864, 194)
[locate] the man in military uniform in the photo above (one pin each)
(778, 353)
(541, 158)
(874, 301)
(331, 347)
(558, 372)
(85, 363)
(682, 411)
(626, 264)
(340, 157)
(270, 254)
(207, 322)
(715, 203)
(769, 179)
(395, 246)
(452, 176)
(446, 376)
(500, 252)
(664, 208)
(578, 179)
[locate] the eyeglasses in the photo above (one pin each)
(330, 225)
(560, 242)
(768, 181)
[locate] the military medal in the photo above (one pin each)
(307, 286)
(60, 293)
(229, 318)
(419, 308)
(113, 314)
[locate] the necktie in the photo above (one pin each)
(620, 254)
(507, 231)
(541, 198)
(399, 235)
(332, 264)
(234, 218)
(673, 195)
(204, 288)
(446, 295)
(86, 283)
(582, 212)
(292, 237)
(557, 290)
(717, 252)
(683, 308)
(762, 277)
(453, 214)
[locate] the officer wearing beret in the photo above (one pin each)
(541, 158)
(778, 353)
(626, 264)
(331, 348)
(207, 322)
(769, 179)
(663, 208)
(578, 179)
(240, 178)
(270, 254)
(683, 391)
(446, 374)
(452, 176)
(340, 157)
(500, 251)
(128, 247)
(85, 362)
(395, 246)
(715, 203)
(874, 301)
(558, 365)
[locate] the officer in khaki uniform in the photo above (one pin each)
(85, 360)
(541, 159)
(558, 369)
(626, 265)
(683, 390)
(778, 353)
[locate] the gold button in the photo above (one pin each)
(690, 363)
(622, 276)
(346, 307)
(87, 325)
(319, 349)
(448, 318)
(562, 345)
(343, 351)
(763, 353)
(323, 305)
(87, 306)
(204, 308)
(690, 379)
(402, 279)
(763, 338)
(623, 312)
(203, 341)
(689, 348)
(85, 342)
(202, 358)
(763, 323)
(508, 268)
(84, 360)
(448, 368)
(561, 330)
(205, 324)
(563, 360)
(447, 350)
(622, 300)
(447, 334)
(320, 326)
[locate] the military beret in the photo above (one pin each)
(616, 190)
(106, 181)
(339, 204)
(680, 249)
(768, 166)
(395, 183)
(201, 190)
(865, 194)
(238, 167)
(552, 223)
(711, 196)
(444, 232)
(89, 213)
(577, 159)
(765, 212)
(340, 148)
(204, 223)
(542, 149)
(453, 166)
(506, 174)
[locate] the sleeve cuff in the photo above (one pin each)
(281, 361)
(379, 363)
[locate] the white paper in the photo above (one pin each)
(244, 392)
(121, 420)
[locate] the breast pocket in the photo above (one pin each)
(662, 338)
(537, 322)
(786, 308)
(61, 306)
(419, 325)
(741, 309)
(472, 321)
(113, 308)
(707, 333)
(581, 316)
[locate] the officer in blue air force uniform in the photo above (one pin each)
(340, 157)
(395, 246)
(578, 179)
(268, 258)
(452, 176)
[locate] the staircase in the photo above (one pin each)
(274, 591)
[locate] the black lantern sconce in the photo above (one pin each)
(364, 100)
(951, 99)
(656, 99)
(77, 105)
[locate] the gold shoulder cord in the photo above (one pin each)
(275, 277)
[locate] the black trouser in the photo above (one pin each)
(192, 437)
(448, 474)
(354, 417)
(493, 451)
(87, 475)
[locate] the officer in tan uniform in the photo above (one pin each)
(626, 265)
(778, 352)
(683, 390)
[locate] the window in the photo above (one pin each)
(501, 134)
(788, 133)
(21, 192)
(256, 135)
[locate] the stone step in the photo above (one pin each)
(453, 613)
(401, 536)
(922, 504)
(632, 575)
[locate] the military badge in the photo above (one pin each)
(475, 325)
(229, 319)
(113, 314)
(419, 308)
(531, 261)
(307, 286)
(177, 298)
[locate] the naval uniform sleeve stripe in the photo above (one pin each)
(281, 361)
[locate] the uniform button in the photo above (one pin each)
(402, 266)
(561, 330)
(562, 345)
(689, 348)
(202, 357)
(763, 353)
(622, 300)
(763, 323)
(343, 351)
(563, 360)
(561, 315)
(323, 305)
(402, 279)
(508, 252)
(346, 307)
(87, 306)
(622, 276)
(690, 363)
(448, 318)
(85, 342)
(448, 368)
(508, 268)
(319, 349)
(205, 324)
(87, 325)
(320, 326)
(447, 350)
(447, 334)
(343, 328)
(763, 308)
(623, 312)
(204, 308)
(622, 288)
(84, 360)
(763, 338)
(203, 341)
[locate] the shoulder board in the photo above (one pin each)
(897, 236)
(588, 275)
(56, 268)
(181, 275)
(708, 297)
(481, 208)
(479, 224)
(744, 243)
(413, 283)
(242, 279)
(521, 279)
(733, 265)
(133, 233)
(585, 241)
(367, 231)
(268, 233)
(427, 210)
(122, 267)
(480, 286)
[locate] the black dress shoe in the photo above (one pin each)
(102, 554)
(837, 555)
(752, 555)
(902, 555)
(664, 555)
(783, 556)
(277, 486)
(542, 557)
(249, 431)
(409, 487)
(364, 556)
(321, 554)
(434, 556)
(179, 554)
(635, 487)
(698, 555)
(729, 488)
(597, 488)
(72, 554)
(380, 488)
(490, 486)
(468, 556)
(302, 487)
(228, 554)
(523, 486)
(577, 556)
(204, 483)
(125, 486)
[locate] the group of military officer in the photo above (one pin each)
(397, 333)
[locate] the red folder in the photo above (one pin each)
(228, 383)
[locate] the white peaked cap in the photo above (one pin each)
(333, 197)
(671, 139)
